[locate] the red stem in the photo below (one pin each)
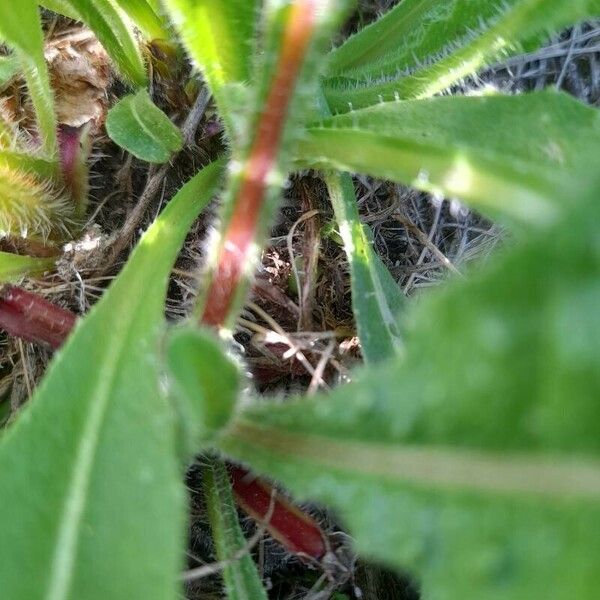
(293, 529)
(32, 318)
(262, 162)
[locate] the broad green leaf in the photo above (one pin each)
(139, 126)
(422, 47)
(523, 157)
(89, 477)
(205, 381)
(13, 266)
(474, 462)
(21, 28)
(239, 575)
(376, 298)
(146, 18)
(113, 29)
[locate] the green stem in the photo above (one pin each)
(240, 574)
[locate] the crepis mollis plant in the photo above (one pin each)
(467, 449)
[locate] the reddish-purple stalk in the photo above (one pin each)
(241, 230)
(73, 158)
(32, 318)
(292, 528)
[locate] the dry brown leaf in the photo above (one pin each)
(80, 74)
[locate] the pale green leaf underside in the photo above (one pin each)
(219, 37)
(240, 576)
(139, 126)
(421, 47)
(61, 7)
(475, 462)
(521, 157)
(13, 266)
(113, 29)
(89, 478)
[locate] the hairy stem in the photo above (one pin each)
(32, 318)
(238, 244)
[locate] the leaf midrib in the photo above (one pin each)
(68, 533)
(554, 477)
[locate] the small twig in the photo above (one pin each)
(295, 350)
(318, 375)
(155, 182)
(28, 384)
(426, 241)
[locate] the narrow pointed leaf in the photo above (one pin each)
(146, 18)
(522, 157)
(9, 68)
(475, 462)
(28, 163)
(376, 298)
(220, 39)
(114, 31)
(139, 126)
(422, 47)
(96, 444)
(21, 28)
(240, 574)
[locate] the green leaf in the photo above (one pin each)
(422, 47)
(146, 18)
(61, 7)
(220, 38)
(139, 126)
(21, 28)
(27, 163)
(9, 68)
(90, 483)
(523, 157)
(239, 575)
(474, 462)
(112, 27)
(13, 266)
(376, 298)
(206, 384)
